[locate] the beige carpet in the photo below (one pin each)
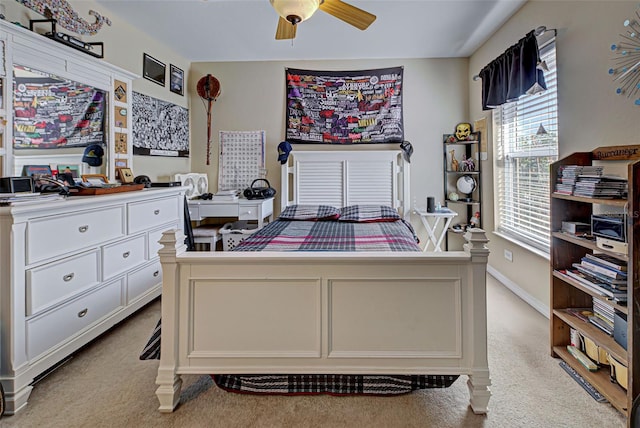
(106, 385)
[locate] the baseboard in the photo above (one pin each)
(518, 291)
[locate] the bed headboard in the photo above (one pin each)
(346, 177)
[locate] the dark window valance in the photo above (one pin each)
(512, 74)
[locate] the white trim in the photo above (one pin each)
(519, 291)
(530, 248)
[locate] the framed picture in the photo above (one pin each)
(121, 163)
(95, 179)
(176, 80)
(36, 171)
(74, 170)
(153, 70)
(125, 175)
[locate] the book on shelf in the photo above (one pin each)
(599, 288)
(601, 324)
(581, 313)
(602, 269)
(607, 260)
(618, 284)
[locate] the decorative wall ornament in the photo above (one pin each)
(66, 17)
(625, 68)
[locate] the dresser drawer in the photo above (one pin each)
(123, 255)
(55, 282)
(50, 236)
(57, 326)
(143, 280)
(149, 214)
(154, 237)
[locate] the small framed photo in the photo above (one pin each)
(125, 175)
(121, 163)
(74, 170)
(153, 70)
(176, 80)
(95, 178)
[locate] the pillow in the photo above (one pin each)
(310, 212)
(368, 213)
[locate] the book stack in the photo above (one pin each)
(602, 316)
(601, 186)
(226, 195)
(566, 180)
(25, 198)
(604, 274)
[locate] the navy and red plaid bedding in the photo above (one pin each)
(287, 235)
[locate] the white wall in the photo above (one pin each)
(590, 114)
(124, 46)
(253, 98)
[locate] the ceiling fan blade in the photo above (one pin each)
(350, 14)
(285, 30)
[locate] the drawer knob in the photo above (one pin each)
(83, 312)
(156, 273)
(83, 229)
(68, 277)
(127, 254)
(156, 212)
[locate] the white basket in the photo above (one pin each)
(234, 233)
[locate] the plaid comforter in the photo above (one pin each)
(287, 235)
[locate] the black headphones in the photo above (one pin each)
(259, 192)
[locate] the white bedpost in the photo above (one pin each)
(284, 185)
(170, 383)
(405, 170)
(479, 379)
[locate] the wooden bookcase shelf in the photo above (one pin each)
(567, 293)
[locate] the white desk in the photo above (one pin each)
(431, 221)
(242, 209)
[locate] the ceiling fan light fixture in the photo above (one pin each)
(295, 11)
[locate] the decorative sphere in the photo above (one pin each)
(453, 196)
(466, 184)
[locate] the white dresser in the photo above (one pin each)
(70, 270)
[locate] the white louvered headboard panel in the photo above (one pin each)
(341, 178)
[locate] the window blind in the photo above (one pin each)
(526, 143)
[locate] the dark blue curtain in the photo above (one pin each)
(512, 74)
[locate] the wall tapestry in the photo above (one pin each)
(51, 112)
(344, 107)
(159, 128)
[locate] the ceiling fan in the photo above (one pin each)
(293, 12)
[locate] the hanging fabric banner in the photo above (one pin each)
(344, 107)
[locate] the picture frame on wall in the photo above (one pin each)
(153, 70)
(176, 80)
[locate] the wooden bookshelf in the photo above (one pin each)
(566, 292)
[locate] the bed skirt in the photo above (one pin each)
(310, 384)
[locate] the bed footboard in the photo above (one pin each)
(324, 312)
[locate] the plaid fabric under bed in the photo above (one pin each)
(287, 235)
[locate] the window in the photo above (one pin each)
(526, 143)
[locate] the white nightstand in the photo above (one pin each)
(431, 222)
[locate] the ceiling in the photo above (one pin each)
(244, 30)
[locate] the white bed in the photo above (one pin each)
(266, 313)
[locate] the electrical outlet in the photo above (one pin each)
(508, 255)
